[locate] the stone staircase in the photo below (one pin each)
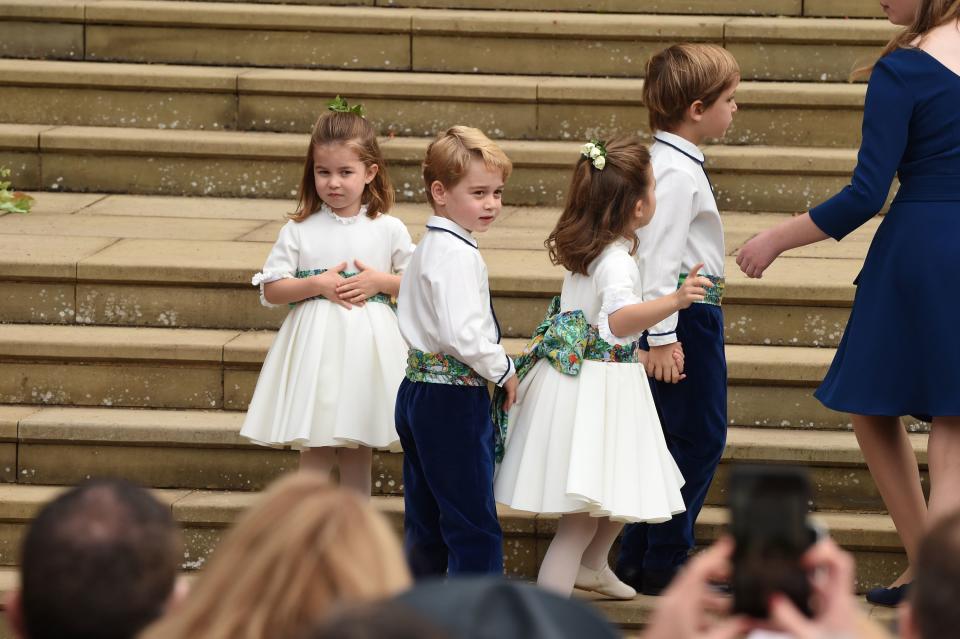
(163, 141)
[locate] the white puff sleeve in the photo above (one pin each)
(402, 247)
(617, 281)
(282, 261)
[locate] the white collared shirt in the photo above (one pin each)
(685, 230)
(444, 302)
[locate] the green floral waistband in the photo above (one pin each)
(565, 340)
(437, 368)
(382, 298)
(714, 293)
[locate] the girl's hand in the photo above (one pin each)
(693, 289)
(356, 289)
(326, 284)
(757, 254)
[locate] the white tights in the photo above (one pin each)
(580, 539)
(355, 465)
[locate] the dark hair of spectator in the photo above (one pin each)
(98, 561)
(936, 587)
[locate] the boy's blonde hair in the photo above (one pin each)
(306, 547)
(680, 75)
(448, 157)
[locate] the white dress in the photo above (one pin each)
(591, 442)
(332, 374)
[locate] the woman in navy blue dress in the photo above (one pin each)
(900, 353)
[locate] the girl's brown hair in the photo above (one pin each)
(930, 14)
(336, 127)
(305, 547)
(600, 204)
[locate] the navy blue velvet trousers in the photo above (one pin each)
(450, 517)
(694, 418)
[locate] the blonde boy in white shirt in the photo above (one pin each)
(446, 317)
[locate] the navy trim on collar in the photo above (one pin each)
(699, 162)
(674, 146)
(464, 240)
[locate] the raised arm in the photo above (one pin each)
(886, 125)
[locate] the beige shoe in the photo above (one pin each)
(604, 582)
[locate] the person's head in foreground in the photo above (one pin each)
(493, 607)
(376, 620)
(305, 547)
(99, 562)
(933, 611)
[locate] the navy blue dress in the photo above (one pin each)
(900, 353)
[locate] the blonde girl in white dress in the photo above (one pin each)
(583, 440)
(329, 382)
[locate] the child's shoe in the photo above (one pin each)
(604, 582)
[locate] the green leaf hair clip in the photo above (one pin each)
(339, 105)
(597, 152)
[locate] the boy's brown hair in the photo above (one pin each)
(680, 75)
(448, 157)
(600, 204)
(336, 127)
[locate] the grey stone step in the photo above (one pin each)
(129, 367)
(193, 449)
(187, 262)
(811, 8)
(437, 40)
(399, 103)
(253, 164)
(205, 515)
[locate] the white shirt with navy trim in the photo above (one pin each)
(444, 302)
(685, 230)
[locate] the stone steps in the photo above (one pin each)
(131, 367)
(204, 515)
(202, 449)
(810, 8)
(434, 40)
(399, 103)
(254, 164)
(187, 262)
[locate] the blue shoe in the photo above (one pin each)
(888, 596)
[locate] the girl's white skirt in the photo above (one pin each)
(588, 443)
(330, 379)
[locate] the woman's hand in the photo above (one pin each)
(757, 254)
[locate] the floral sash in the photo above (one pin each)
(565, 340)
(437, 368)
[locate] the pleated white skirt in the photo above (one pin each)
(330, 379)
(588, 443)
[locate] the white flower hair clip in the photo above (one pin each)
(597, 152)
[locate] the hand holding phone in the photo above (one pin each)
(769, 507)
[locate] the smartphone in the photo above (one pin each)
(769, 508)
